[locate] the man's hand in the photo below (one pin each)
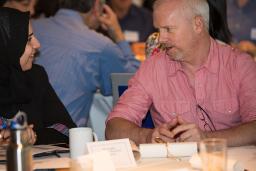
(187, 131)
(110, 23)
(163, 132)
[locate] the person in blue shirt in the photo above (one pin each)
(242, 23)
(241, 19)
(79, 60)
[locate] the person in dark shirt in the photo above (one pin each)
(21, 5)
(136, 22)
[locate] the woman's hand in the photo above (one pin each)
(4, 135)
(29, 135)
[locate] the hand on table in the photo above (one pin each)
(163, 133)
(187, 131)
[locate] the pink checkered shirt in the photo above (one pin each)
(225, 87)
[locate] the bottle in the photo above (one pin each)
(19, 154)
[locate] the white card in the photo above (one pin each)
(153, 150)
(119, 150)
(253, 33)
(131, 36)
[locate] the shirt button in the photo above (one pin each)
(229, 111)
(173, 113)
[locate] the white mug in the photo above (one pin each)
(78, 137)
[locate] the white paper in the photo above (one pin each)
(119, 150)
(103, 161)
(98, 161)
(153, 150)
(253, 33)
(131, 36)
(182, 149)
(37, 149)
(232, 165)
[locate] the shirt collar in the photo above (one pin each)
(212, 63)
(75, 15)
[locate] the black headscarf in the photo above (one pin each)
(14, 88)
(218, 21)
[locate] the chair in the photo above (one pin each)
(119, 86)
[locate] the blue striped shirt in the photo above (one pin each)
(79, 60)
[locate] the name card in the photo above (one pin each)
(253, 33)
(120, 151)
(131, 36)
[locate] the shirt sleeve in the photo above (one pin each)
(247, 88)
(115, 59)
(135, 102)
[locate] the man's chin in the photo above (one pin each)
(175, 57)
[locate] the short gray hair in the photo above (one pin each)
(200, 8)
(196, 7)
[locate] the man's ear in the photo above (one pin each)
(198, 24)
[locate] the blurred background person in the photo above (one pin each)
(46, 8)
(22, 5)
(218, 25)
(242, 23)
(148, 4)
(136, 22)
(25, 86)
(79, 60)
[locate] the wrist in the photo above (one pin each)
(148, 137)
(119, 36)
(206, 135)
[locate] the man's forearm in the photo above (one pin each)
(237, 136)
(120, 128)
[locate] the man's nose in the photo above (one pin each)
(162, 37)
(36, 44)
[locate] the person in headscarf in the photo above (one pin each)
(218, 25)
(24, 86)
(21, 5)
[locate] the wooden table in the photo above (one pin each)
(246, 155)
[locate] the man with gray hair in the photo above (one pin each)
(79, 60)
(194, 86)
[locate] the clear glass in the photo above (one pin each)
(213, 153)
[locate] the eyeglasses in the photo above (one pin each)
(202, 117)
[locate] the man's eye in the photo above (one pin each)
(169, 30)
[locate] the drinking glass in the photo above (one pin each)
(213, 153)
